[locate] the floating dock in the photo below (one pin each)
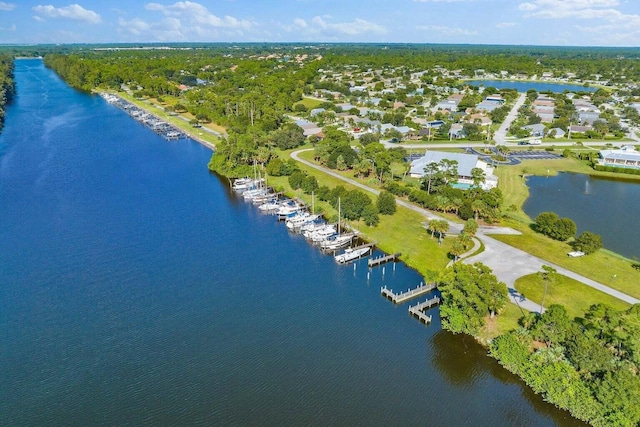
(382, 259)
(404, 296)
(418, 309)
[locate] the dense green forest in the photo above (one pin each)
(7, 85)
(588, 365)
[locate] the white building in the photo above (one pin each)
(625, 157)
(466, 162)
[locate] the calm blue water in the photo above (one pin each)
(136, 290)
(603, 206)
(538, 86)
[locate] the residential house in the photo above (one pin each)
(588, 117)
(456, 131)
(479, 119)
(579, 129)
(308, 128)
(556, 133)
(537, 130)
(466, 163)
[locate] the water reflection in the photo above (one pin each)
(463, 362)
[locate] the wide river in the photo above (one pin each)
(135, 289)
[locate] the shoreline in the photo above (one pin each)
(145, 106)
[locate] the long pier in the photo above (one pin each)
(418, 309)
(411, 293)
(382, 259)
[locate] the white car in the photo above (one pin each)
(575, 254)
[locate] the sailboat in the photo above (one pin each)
(340, 240)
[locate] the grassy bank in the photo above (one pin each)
(181, 121)
(402, 232)
(575, 296)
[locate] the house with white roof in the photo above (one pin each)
(624, 157)
(466, 162)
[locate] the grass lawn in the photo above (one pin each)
(310, 103)
(575, 296)
(402, 232)
(603, 266)
(156, 108)
(506, 321)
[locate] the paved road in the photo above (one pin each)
(508, 263)
(501, 134)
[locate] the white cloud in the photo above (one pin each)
(7, 6)
(184, 21)
(527, 7)
(579, 9)
(322, 27)
(358, 26)
(611, 25)
(73, 11)
(440, 1)
(447, 31)
(198, 15)
(8, 29)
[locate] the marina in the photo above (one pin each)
(162, 128)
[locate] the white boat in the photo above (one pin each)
(312, 226)
(350, 254)
(337, 242)
(264, 198)
(322, 233)
(299, 220)
(249, 195)
(288, 208)
(242, 184)
(269, 206)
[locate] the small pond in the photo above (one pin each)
(604, 206)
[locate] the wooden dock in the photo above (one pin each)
(366, 245)
(404, 296)
(382, 259)
(418, 309)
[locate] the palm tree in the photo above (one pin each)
(478, 206)
(431, 171)
(478, 177)
(456, 250)
(433, 226)
(465, 240)
(442, 203)
(455, 204)
(548, 275)
(442, 227)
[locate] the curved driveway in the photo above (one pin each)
(508, 263)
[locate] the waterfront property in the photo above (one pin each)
(466, 163)
(624, 157)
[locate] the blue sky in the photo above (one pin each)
(535, 22)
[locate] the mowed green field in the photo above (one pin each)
(573, 295)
